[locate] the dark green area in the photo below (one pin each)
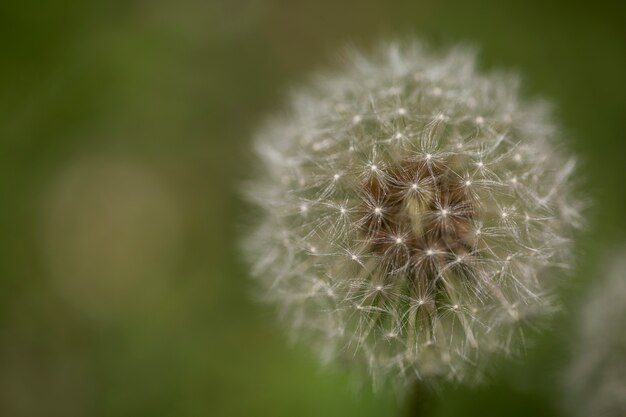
(124, 133)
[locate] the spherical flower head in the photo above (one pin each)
(412, 212)
(596, 378)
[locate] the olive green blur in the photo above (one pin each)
(125, 130)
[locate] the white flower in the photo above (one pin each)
(412, 211)
(596, 378)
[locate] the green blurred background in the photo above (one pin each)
(124, 135)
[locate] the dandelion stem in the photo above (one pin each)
(421, 401)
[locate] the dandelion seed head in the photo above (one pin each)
(595, 381)
(432, 249)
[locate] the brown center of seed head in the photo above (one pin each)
(418, 217)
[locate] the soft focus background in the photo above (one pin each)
(124, 133)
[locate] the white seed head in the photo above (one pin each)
(596, 378)
(444, 252)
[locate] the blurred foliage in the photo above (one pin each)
(124, 131)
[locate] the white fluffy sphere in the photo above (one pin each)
(412, 212)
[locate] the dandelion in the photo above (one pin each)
(596, 378)
(412, 213)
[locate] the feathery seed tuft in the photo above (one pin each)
(412, 213)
